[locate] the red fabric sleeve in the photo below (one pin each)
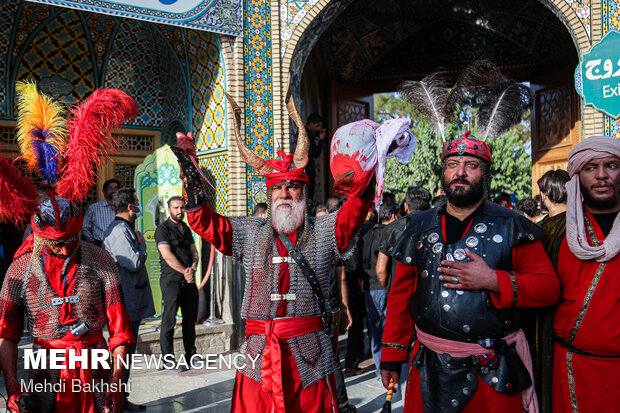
(537, 284)
(213, 227)
(11, 304)
(398, 330)
(12, 322)
(350, 219)
(119, 326)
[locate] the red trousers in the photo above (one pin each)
(249, 396)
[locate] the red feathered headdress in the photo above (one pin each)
(66, 166)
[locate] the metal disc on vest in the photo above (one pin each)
(480, 228)
(433, 238)
(471, 242)
(459, 254)
(498, 238)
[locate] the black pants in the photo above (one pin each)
(355, 342)
(177, 294)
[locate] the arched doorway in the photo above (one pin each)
(351, 48)
(176, 76)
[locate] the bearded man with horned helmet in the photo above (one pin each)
(285, 306)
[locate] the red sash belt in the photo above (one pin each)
(68, 401)
(274, 331)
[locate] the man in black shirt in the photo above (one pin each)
(417, 200)
(178, 259)
(375, 296)
(317, 142)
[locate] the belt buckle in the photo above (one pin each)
(72, 299)
(283, 297)
(280, 260)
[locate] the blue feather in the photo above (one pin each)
(46, 155)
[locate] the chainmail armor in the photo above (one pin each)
(48, 399)
(27, 288)
(254, 245)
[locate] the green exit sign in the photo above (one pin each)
(597, 77)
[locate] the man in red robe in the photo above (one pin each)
(289, 258)
(586, 358)
(70, 290)
(466, 267)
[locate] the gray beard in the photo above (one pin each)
(286, 220)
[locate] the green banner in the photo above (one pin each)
(597, 77)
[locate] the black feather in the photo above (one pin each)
(503, 109)
(479, 74)
(429, 97)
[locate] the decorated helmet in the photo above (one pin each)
(63, 154)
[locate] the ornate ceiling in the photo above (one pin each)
(374, 43)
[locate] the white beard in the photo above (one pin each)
(287, 219)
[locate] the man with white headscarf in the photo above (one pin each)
(587, 333)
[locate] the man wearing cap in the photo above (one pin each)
(586, 357)
(288, 258)
(465, 267)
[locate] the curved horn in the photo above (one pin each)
(300, 158)
(248, 155)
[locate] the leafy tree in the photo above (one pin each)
(511, 171)
(512, 165)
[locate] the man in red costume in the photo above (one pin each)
(70, 290)
(466, 267)
(289, 258)
(586, 357)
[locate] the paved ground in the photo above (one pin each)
(210, 390)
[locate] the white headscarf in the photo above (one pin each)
(592, 148)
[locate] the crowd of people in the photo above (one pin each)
(439, 285)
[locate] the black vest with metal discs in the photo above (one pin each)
(463, 315)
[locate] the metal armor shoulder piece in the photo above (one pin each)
(405, 248)
(525, 230)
